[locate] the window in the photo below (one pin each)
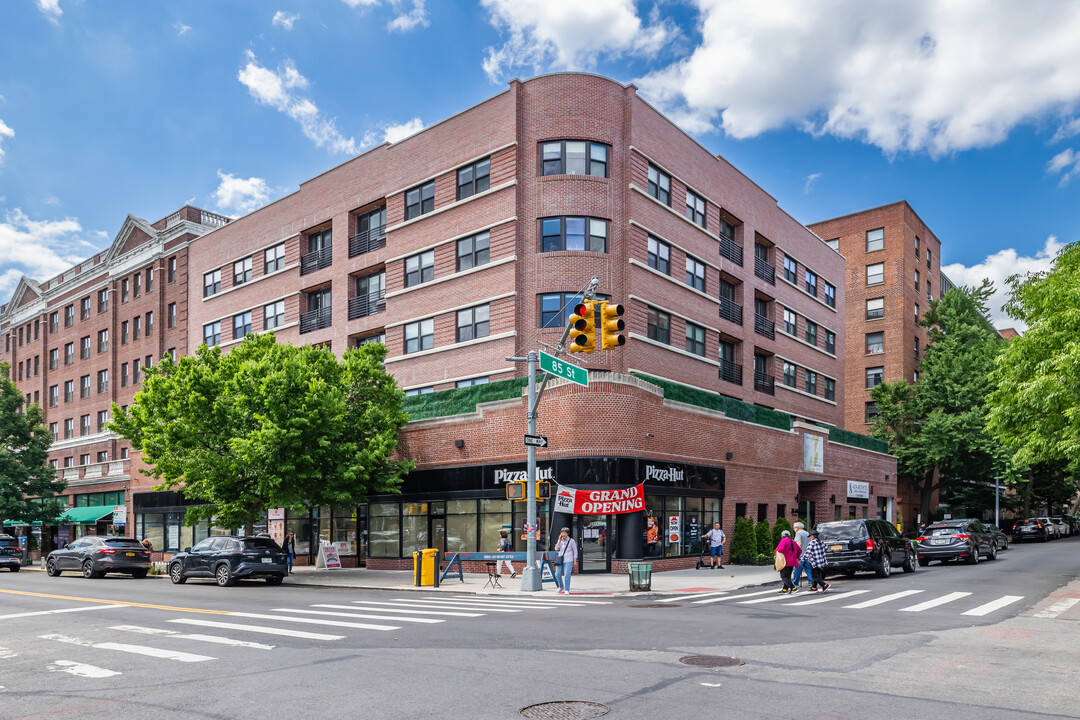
(419, 336)
(102, 341)
(875, 308)
(149, 323)
(834, 244)
(875, 343)
(659, 256)
(242, 271)
(377, 338)
(916, 247)
(916, 280)
(871, 412)
(695, 273)
(789, 374)
(916, 348)
(54, 430)
(136, 375)
(874, 376)
(929, 293)
(136, 328)
(811, 283)
(212, 334)
(124, 375)
(274, 259)
(830, 389)
(274, 315)
(84, 348)
(573, 233)
(103, 455)
(555, 308)
(69, 432)
(84, 386)
(472, 381)
(811, 332)
(54, 395)
(102, 381)
(149, 279)
(695, 339)
(102, 301)
(172, 270)
(420, 200)
(84, 429)
(170, 313)
(830, 295)
(928, 259)
(125, 291)
(574, 157)
(810, 384)
(791, 270)
(149, 362)
(875, 239)
(875, 273)
(473, 323)
(69, 353)
(916, 313)
(659, 185)
(418, 391)
(419, 268)
(473, 179)
(54, 322)
(84, 308)
(54, 358)
(473, 251)
(695, 208)
(212, 283)
(659, 326)
(69, 316)
(791, 322)
(136, 283)
(241, 325)
(124, 332)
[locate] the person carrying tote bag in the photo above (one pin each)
(566, 554)
(787, 552)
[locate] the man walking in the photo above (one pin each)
(801, 536)
(815, 554)
(716, 544)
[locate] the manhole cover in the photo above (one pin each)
(655, 605)
(565, 710)
(712, 661)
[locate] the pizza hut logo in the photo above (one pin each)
(664, 474)
(507, 476)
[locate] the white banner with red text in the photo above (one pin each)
(600, 502)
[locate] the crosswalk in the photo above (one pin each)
(185, 639)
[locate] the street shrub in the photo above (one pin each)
(782, 524)
(764, 538)
(743, 543)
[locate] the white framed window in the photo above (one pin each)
(420, 335)
(875, 239)
(875, 274)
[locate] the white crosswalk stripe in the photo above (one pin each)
(883, 600)
(923, 606)
(828, 597)
(81, 669)
(134, 649)
(286, 632)
(773, 596)
(359, 616)
(368, 607)
(693, 596)
(177, 635)
(461, 602)
(571, 601)
(732, 597)
(994, 605)
(1057, 608)
(432, 605)
(313, 621)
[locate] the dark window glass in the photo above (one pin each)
(573, 233)
(659, 326)
(420, 200)
(475, 178)
(473, 251)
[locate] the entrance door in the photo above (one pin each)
(437, 534)
(594, 535)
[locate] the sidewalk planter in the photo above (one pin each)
(640, 576)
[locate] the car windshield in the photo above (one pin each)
(123, 542)
(260, 544)
(943, 529)
(842, 531)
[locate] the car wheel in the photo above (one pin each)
(973, 557)
(992, 555)
(51, 570)
(176, 574)
(138, 573)
(884, 570)
(1006, 544)
(1043, 539)
(924, 562)
(223, 575)
(274, 580)
(14, 568)
(88, 570)
(909, 562)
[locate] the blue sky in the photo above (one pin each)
(970, 112)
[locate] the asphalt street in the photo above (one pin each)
(995, 640)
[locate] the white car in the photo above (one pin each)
(1064, 530)
(1053, 529)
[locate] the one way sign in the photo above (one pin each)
(539, 441)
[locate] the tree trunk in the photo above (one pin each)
(926, 493)
(1028, 491)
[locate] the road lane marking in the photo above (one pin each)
(418, 604)
(775, 596)
(6, 654)
(80, 669)
(829, 597)
(691, 597)
(257, 629)
(176, 634)
(993, 605)
(313, 621)
(935, 602)
(134, 649)
(883, 599)
(55, 612)
(1057, 608)
(116, 602)
(731, 597)
(361, 617)
(402, 610)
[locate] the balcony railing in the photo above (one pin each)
(316, 260)
(94, 471)
(730, 311)
(764, 270)
(763, 382)
(315, 320)
(364, 305)
(367, 241)
(730, 372)
(764, 326)
(730, 250)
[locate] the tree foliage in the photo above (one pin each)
(268, 425)
(936, 426)
(25, 473)
(781, 525)
(744, 542)
(763, 534)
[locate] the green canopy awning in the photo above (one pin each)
(84, 515)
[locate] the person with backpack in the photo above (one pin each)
(814, 554)
(505, 546)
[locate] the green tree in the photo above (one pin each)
(268, 425)
(28, 484)
(764, 538)
(936, 426)
(743, 542)
(781, 525)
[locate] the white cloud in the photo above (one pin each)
(5, 132)
(239, 195)
(395, 133)
(51, 10)
(810, 181)
(277, 89)
(1067, 163)
(39, 249)
(405, 21)
(360, 3)
(997, 268)
(182, 29)
(568, 34)
(285, 20)
(913, 76)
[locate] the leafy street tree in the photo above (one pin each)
(27, 483)
(781, 525)
(743, 542)
(936, 426)
(764, 538)
(268, 425)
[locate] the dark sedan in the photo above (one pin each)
(1001, 540)
(228, 558)
(95, 556)
(10, 553)
(1032, 529)
(954, 540)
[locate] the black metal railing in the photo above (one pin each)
(367, 241)
(730, 372)
(730, 311)
(369, 304)
(316, 260)
(764, 270)
(730, 250)
(315, 320)
(764, 326)
(763, 382)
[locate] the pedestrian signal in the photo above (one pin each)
(515, 491)
(543, 490)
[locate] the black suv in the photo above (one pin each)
(228, 558)
(853, 545)
(956, 540)
(10, 553)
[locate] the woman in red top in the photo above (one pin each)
(790, 551)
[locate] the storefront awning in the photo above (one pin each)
(84, 515)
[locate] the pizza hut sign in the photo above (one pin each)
(674, 475)
(507, 476)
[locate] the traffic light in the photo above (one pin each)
(515, 490)
(611, 326)
(583, 327)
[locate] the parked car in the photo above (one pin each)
(1032, 529)
(10, 553)
(1053, 530)
(95, 556)
(230, 558)
(876, 545)
(956, 540)
(1064, 529)
(1001, 540)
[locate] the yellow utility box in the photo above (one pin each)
(426, 568)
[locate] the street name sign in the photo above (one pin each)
(539, 441)
(555, 366)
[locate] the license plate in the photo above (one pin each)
(267, 560)
(836, 547)
(940, 541)
(130, 554)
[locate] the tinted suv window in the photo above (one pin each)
(203, 545)
(123, 542)
(7, 542)
(842, 531)
(260, 544)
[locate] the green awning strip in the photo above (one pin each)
(84, 515)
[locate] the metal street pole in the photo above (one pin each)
(531, 576)
(997, 499)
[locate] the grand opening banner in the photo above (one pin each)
(600, 502)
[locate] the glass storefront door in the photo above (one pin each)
(594, 540)
(438, 533)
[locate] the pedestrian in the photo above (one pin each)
(815, 555)
(790, 552)
(505, 546)
(803, 567)
(716, 545)
(566, 554)
(289, 546)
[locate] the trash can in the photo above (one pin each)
(640, 576)
(426, 568)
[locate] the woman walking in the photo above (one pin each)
(790, 552)
(566, 554)
(505, 546)
(289, 546)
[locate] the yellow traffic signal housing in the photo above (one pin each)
(543, 490)
(611, 326)
(583, 327)
(515, 491)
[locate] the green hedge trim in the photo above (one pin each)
(458, 401)
(735, 409)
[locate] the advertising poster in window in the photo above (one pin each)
(673, 529)
(652, 531)
(277, 530)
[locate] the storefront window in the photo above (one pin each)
(344, 532)
(414, 528)
(154, 529)
(674, 527)
(385, 529)
(299, 523)
(496, 516)
(691, 537)
(654, 526)
(461, 526)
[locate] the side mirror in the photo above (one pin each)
(187, 549)
(67, 546)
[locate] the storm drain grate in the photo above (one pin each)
(565, 710)
(655, 605)
(712, 661)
